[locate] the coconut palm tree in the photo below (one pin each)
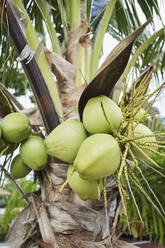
(75, 32)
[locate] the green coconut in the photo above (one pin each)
(4, 144)
(18, 168)
(64, 141)
(98, 157)
(15, 127)
(141, 130)
(93, 116)
(85, 189)
(33, 153)
(140, 116)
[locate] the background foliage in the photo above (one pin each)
(15, 203)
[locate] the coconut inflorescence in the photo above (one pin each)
(96, 148)
(89, 145)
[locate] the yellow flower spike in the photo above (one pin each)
(49, 178)
(123, 162)
(123, 202)
(115, 132)
(152, 150)
(105, 192)
(129, 186)
(145, 155)
(98, 187)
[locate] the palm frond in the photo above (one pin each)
(125, 18)
(149, 52)
(45, 9)
(128, 15)
(99, 35)
(35, 15)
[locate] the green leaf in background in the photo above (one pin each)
(15, 204)
(45, 9)
(88, 9)
(99, 36)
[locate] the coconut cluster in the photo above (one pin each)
(92, 147)
(88, 146)
(15, 130)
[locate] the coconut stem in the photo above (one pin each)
(4, 150)
(108, 121)
(69, 112)
(145, 155)
(38, 132)
(122, 195)
(121, 189)
(152, 150)
(105, 192)
(136, 97)
(66, 181)
(123, 161)
(144, 136)
(161, 174)
(150, 143)
(98, 187)
(152, 192)
(137, 183)
(139, 169)
(129, 186)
